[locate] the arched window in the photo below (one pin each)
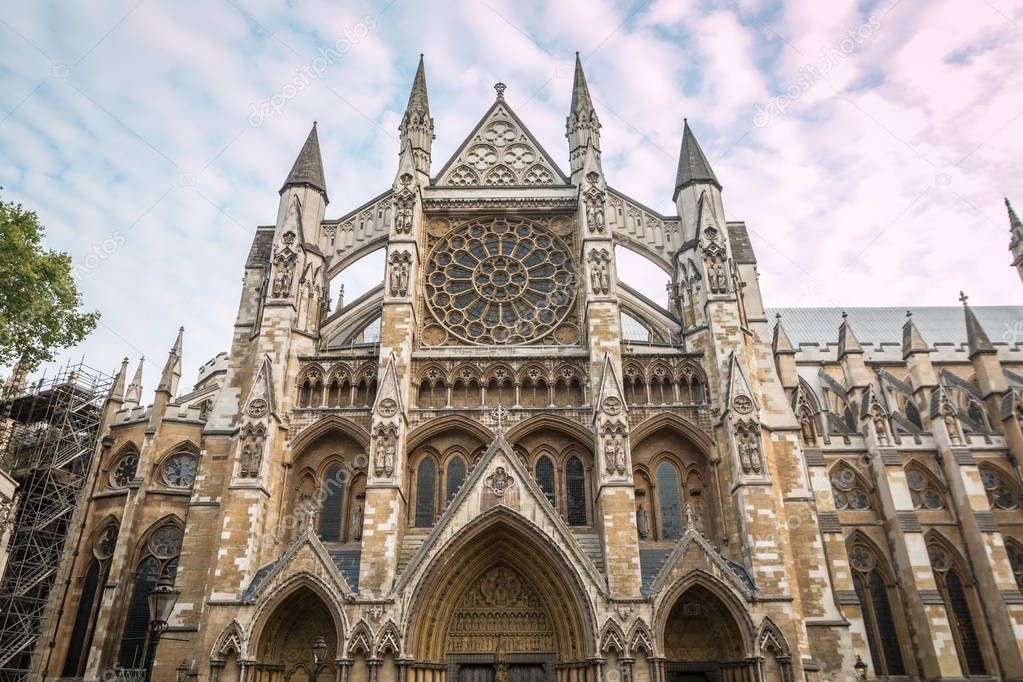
(698, 391)
(976, 413)
(333, 393)
(424, 493)
(924, 490)
(545, 477)
(303, 394)
(913, 415)
(344, 394)
(500, 391)
(1001, 492)
(1016, 561)
(575, 492)
(332, 504)
(125, 467)
(872, 592)
(670, 501)
(455, 476)
(88, 604)
(180, 468)
(850, 421)
(159, 558)
(957, 606)
(849, 489)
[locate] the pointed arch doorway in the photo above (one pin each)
(705, 640)
(500, 605)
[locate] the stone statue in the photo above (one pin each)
(952, 426)
(642, 522)
(357, 523)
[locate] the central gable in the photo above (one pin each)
(500, 152)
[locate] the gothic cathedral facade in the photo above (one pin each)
(503, 464)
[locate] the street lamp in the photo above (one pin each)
(182, 671)
(861, 669)
(319, 649)
(161, 604)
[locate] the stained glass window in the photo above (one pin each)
(179, 470)
(923, 490)
(670, 501)
(455, 476)
(424, 493)
(1001, 493)
(575, 492)
(848, 489)
(332, 504)
(500, 281)
(545, 477)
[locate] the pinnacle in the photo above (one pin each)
(912, 339)
(418, 100)
(976, 338)
(308, 167)
(581, 100)
(781, 342)
(693, 166)
(847, 341)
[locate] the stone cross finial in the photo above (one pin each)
(963, 298)
(499, 413)
(500, 88)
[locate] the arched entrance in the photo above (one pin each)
(704, 641)
(500, 605)
(284, 642)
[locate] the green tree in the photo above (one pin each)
(40, 305)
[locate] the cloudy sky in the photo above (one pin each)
(867, 145)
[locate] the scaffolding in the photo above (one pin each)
(48, 434)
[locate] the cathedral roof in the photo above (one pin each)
(692, 163)
(308, 167)
(938, 325)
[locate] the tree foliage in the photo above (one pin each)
(40, 305)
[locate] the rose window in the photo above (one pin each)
(180, 470)
(500, 281)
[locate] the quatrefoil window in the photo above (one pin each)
(500, 281)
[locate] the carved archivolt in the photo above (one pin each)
(500, 609)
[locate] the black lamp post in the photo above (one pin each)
(861, 669)
(161, 604)
(319, 651)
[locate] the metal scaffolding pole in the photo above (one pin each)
(48, 434)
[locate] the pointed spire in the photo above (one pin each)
(693, 166)
(117, 390)
(847, 341)
(417, 128)
(172, 369)
(780, 344)
(133, 394)
(976, 338)
(1015, 224)
(912, 339)
(581, 101)
(308, 168)
(582, 128)
(418, 99)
